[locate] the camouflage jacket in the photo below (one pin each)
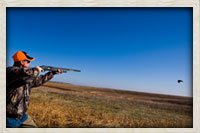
(19, 81)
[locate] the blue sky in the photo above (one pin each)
(139, 49)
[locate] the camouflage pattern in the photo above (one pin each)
(19, 81)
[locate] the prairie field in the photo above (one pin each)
(72, 106)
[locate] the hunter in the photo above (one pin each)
(19, 81)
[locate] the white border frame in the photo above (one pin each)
(103, 3)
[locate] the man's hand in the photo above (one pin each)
(39, 69)
(59, 71)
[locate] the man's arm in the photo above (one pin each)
(23, 72)
(20, 75)
(40, 80)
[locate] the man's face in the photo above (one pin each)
(25, 63)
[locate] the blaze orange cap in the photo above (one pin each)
(20, 55)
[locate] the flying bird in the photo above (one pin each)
(179, 81)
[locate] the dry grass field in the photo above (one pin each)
(71, 106)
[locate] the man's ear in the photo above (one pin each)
(22, 62)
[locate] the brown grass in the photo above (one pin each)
(65, 105)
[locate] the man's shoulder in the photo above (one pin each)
(13, 68)
(21, 70)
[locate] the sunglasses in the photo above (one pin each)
(27, 61)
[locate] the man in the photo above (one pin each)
(19, 81)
